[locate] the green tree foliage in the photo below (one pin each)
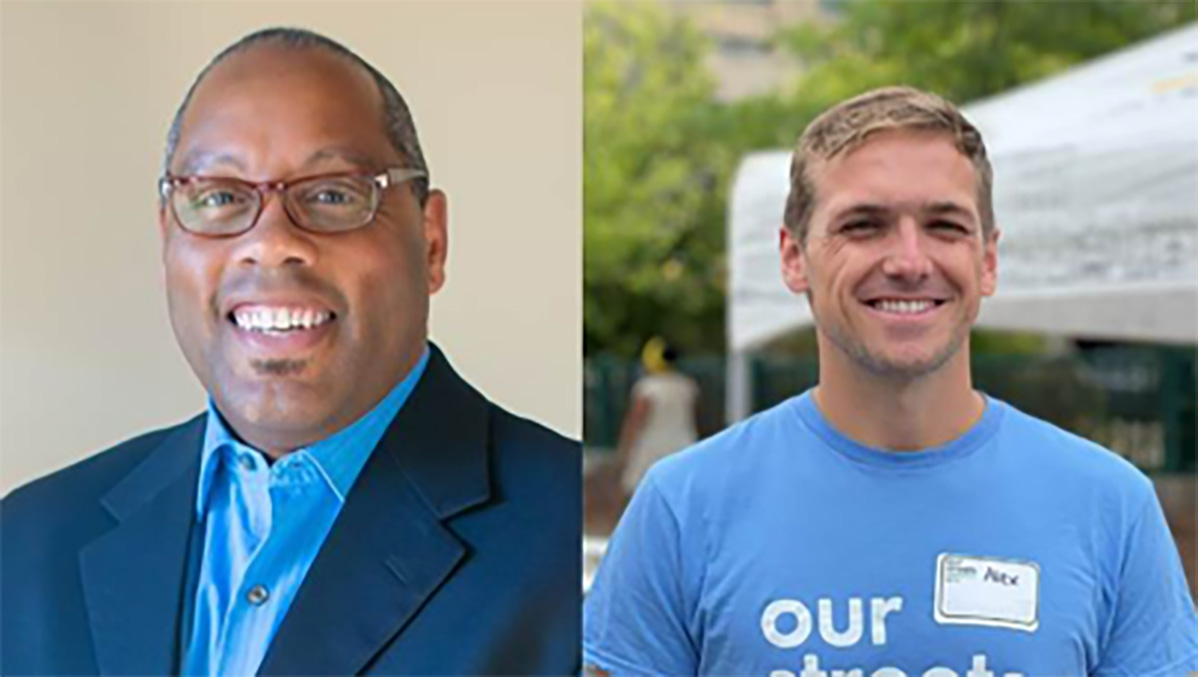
(660, 151)
(654, 182)
(965, 50)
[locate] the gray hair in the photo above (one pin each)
(398, 121)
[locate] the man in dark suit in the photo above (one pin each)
(347, 504)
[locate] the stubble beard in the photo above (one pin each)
(879, 364)
(282, 367)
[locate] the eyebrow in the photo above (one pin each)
(198, 159)
(948, 208)
(346, 154)
(861, 209)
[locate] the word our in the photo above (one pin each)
(852, 634)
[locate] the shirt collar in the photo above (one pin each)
(339, 457)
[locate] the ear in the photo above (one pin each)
(791, 262)
(164, 218)
(437, 239)
(987, 285)
(165, 225)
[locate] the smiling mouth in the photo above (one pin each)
(905, 306)
(279, 321)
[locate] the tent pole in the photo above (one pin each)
(738, 386)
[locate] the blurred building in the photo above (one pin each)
(744, 58)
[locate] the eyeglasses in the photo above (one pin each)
(331, 203)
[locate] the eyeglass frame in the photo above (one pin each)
(393, 176)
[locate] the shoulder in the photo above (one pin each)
(1041, 459)
(751, 437)
(82, 484)
(1068, 455)
(509, 428)
(531, 461)
(531, 442)
(731, 459)
(645, 385)
(45, 522)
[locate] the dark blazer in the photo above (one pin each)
(456, 552)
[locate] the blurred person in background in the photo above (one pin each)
(661, 418)
(893, 519)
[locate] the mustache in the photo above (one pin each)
(934, 292)
(298, 280)
(934, 288)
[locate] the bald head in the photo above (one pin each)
(260, 100)
(395, 118)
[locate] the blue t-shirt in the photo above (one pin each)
(780, 547)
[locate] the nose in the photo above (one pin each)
(275, 240)
(906, 258)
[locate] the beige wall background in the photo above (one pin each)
(87, 91)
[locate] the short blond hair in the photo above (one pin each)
(850, 123)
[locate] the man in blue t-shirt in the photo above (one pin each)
(892, 520)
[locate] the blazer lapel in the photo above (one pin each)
(388, 551)
(134, 575)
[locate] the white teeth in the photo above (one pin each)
(903, 307)
(280, 319)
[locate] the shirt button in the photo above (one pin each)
(257, 595)
(246, 462)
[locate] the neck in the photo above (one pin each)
(894, 412)
(277, 441)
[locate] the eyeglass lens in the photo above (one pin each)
(229, 207)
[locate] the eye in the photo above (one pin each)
(334, 193)
(215, 198)
(859, 227)
(949, 227)
(329, 196)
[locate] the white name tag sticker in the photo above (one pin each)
(987, 591)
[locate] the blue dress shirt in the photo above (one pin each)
(263, 526)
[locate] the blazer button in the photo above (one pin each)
(257, 595)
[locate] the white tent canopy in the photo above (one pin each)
(1095, 191)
